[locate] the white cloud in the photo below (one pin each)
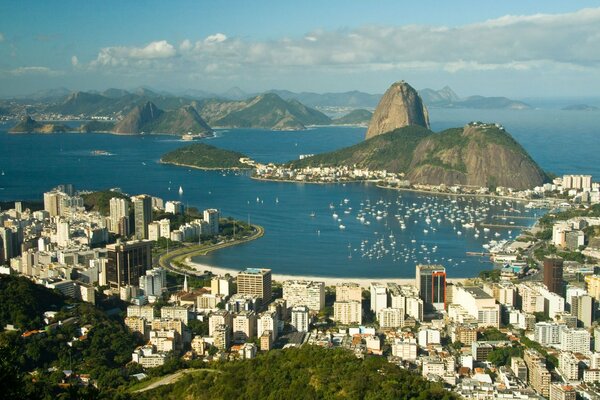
(185, 45)
(34, 70)
(124, 56)
(512, 43)
(74, 61)
(216, 38)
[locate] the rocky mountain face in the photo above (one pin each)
(478, 155)
(400, 106)
(149, 118)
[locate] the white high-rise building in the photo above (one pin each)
(154, 283)
(478, 304)
(304, 293)
(267, 322)
(165, 228)
(405, 348)
(62, 233)
(378, 296)
(347, 312)
(300, 318)
(547, 333)
(391, 317)
(244, 326)
(211, 216)
(153, 231)
(576, 340)
(174, 207)
(119, 208)
(348, 292)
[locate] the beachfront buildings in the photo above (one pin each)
(431, 282)
(255, 282)
(347, 312)
(348, 292)
(304, 293)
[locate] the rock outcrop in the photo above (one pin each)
(400, 106)
(148, 118)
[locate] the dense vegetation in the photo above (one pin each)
(32, 366)
(100, 201)
(354, 117)
(303, 373)
(200, 155)
(272, 112)
(392, 151)
(96, 126)
(23, 303)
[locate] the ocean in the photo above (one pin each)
(296, 242)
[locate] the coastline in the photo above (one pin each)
(203, 168)
(309, 182)
(328, 280)
(433, 192)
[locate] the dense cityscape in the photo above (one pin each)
(266, 200)
(495, 335)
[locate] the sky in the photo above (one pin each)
(535, 48)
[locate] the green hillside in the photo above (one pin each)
(308, 372)
(392, 151)
(354, 117)
(100, 201)
(271, 112)
(200, 155)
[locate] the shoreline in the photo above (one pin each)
(433, 192)
(203, 168)
(308, 182)
(328, 280)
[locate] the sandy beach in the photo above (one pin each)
(328, 280)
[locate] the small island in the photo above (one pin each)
(580, 107)
(204, 156)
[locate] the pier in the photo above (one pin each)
(478, 254)
(513, 217)
(507, 226)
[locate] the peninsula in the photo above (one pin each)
(29, 125)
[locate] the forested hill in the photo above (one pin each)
(308, 372)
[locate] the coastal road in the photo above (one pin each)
(167, 260)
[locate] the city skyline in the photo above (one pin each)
(510, 49)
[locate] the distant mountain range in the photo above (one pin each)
(116, 100)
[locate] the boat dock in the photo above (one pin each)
(513, 217)
(507, 226)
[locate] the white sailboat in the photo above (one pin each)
(180, 190)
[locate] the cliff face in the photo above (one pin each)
(400, 106)
(478, 155)
(140, 116)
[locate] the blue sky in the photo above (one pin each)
(511, 48)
